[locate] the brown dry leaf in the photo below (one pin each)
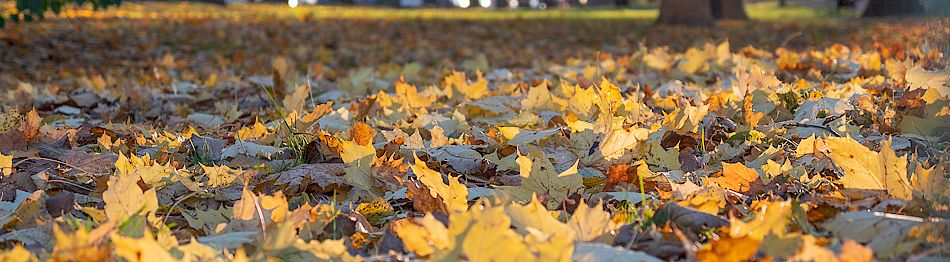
(31, 125)
(690, 220)
(327, 177)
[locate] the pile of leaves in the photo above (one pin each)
(651, 154)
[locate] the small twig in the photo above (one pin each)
(260, 215)
(71, 183)
(832, 131)
(789, 141)
(58, 162)
(169, 213)
(790, 37)
(633, 238)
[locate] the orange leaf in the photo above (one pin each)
(736, 177)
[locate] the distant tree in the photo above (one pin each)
(29, 10)
(728, 9)
(700, 12)
(879, 8)
(686, 12)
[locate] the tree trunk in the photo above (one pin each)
(878, 8)
(782, 3)
(728, 9)
(686, 12)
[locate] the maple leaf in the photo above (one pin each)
(252, 211)
(326, 176)
(534, 217)
(539, 177)
(375, 211)
(454, 195)
(255, 131)
(685, 120)
(221, 176)
(589, 223)
(140, 249)
(918, 78)
(124, 198)
(771, 218)
(729, 248)
(18, 254)
(295, 101)
(241, 147)
(866, 169)
(736, 177)
(423, 235)
(6, 164)
(480, 229)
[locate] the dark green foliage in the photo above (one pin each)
(29, 10)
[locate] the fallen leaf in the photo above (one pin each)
(736, 177)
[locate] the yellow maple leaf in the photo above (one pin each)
(454, 195)
(144, 249)
(80, 245)
(685, 120)
(255, 131)
(868, 170)
(481, 229)
(125, 198)
(6, 164)
(18, 254)
(771, 218)
(589, 223)
(709, 199)
(375, 211)
(221, 176)
(538, 176)
(728, 248)
(423, 235)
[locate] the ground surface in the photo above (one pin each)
(163, 131)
